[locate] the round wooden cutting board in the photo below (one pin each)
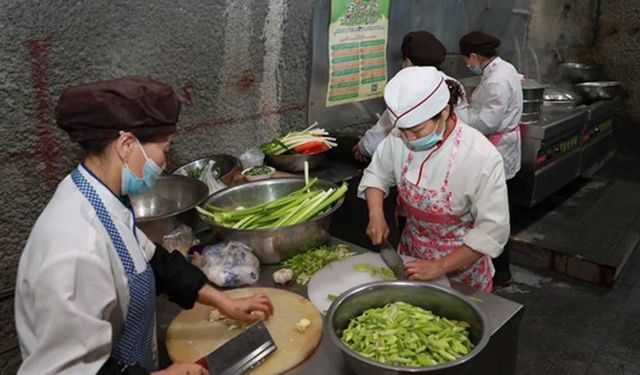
(191, 336)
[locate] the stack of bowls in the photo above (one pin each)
(532, 100)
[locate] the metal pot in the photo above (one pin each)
(226, 164)
(169, 204)
(600, 90)
(580, 72)
(273, 245)
(295, 162)
(531, 90)
(442, 301)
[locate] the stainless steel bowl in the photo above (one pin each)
(272, 245)
(227, 165)
(442, 301)
(580, 72)
(599, 90)
(170, 203)
(295, 162)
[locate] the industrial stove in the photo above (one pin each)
(560, 147)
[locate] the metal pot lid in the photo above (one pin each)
(578, 65)
(598, 84)
(560, 94)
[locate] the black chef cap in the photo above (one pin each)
(480, 43)
(100, 110)
(423, 49)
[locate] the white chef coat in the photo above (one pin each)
(72, 291)
(384, 125)
(495, 107)
(477, 183)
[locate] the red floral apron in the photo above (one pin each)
(433, 230)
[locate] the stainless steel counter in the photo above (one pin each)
(498, 358)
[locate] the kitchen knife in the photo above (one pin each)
(242, 352)
(393, 260)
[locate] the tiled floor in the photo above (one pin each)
(572, 327)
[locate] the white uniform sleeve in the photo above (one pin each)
(74, 296)
(490, 209)
(379, 174)
(486, 113)
(376, 134)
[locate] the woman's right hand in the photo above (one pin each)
(182, 369)
(359, 155)
(377, 229)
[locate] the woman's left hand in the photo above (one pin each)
(249, 309)
(423, 269)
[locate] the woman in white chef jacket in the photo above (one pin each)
(419, 48)
(494, 109)
(450, 182)
(88, 278)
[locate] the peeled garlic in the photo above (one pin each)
(282, 276)
(303, 324)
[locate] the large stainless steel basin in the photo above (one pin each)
(170, 203)
(272, 245)
(442, 301)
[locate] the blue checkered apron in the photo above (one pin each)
(135, 344)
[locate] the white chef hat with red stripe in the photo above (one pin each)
(415, 95)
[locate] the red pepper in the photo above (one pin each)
(311, 145)
(316, 150)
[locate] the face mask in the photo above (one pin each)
(427, 142)
(132, 185)
(475, 70)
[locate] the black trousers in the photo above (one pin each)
(502, 262)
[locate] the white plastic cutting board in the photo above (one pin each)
(338, 277)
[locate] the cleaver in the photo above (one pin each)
(243, 352)
(393, 260)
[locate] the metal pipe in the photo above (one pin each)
(596, 28)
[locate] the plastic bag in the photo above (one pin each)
(210, 175)
(251, 158)
(229, 264)
(182, 239)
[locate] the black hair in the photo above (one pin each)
(455, 93)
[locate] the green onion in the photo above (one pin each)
(281, 145)
(295, 208)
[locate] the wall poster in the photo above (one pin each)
(358, 33)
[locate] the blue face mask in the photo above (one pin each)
(132, 185)
(427, 142)
(475, 70)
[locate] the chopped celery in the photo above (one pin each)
(374, 271)
(405, 335)
(306, 264)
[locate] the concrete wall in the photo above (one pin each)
(618, 49)
(241, 68)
